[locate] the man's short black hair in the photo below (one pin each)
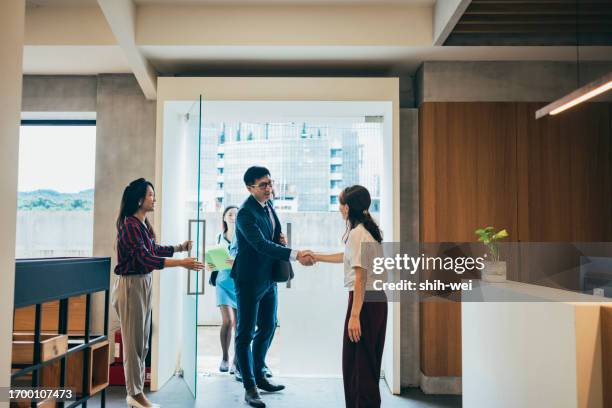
(253, 173)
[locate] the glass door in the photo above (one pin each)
(195, 228)
(312, 155)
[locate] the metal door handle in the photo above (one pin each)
(201, 253)
(288, 284)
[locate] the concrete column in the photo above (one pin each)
(12, 20)
(409, 210)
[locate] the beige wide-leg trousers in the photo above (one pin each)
(132, 302)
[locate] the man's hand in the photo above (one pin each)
(282, 240)
(305, 258)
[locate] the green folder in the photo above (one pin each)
(218, 256)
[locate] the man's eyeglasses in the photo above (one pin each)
(264, 185)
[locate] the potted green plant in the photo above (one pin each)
(494, 270)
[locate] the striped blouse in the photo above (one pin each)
(137, 252)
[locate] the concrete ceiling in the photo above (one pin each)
(289, 2)
(377, 58)
(73, 3)
(74, 60)
(60, 3)
(517, 23)
(91, 60)
(149, 37)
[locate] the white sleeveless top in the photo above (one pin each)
(358, 255)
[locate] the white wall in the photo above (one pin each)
(170, 315)
(12, 16)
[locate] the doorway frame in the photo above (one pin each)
(278, 89)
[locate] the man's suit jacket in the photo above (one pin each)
(256, 247)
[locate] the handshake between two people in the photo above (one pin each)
(305, 257)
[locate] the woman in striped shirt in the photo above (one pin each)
(137, 256)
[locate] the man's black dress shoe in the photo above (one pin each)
(266, 385)
(251, 396)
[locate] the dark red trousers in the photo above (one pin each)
(361, 361)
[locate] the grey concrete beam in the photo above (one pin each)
(445, 17)
(56, 93)
(503, 81)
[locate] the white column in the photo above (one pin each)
(12, 16)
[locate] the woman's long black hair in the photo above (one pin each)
(133, 195)
(223, 223)
(358, 200)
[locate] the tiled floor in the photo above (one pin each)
(221, 390)
(209, 350)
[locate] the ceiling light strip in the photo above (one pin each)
(580, 95)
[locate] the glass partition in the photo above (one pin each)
(312, 153)
(195, 226)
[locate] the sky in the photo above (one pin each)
(60, 158)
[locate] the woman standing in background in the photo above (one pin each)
(226, 291)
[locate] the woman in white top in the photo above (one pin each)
(366, 316)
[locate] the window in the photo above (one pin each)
(56, 189)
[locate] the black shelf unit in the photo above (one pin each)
(47, 279)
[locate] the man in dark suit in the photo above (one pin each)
(258, 246)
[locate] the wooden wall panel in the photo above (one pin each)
(606, 354)
(564, 166)
(440, 338)
(467, 179)
(468, 161)
(564, 189)
(495, 164)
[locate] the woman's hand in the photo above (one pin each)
(192, 263)
(354, 329)
(230, 262)
(186, 246)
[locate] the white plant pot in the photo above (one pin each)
(494, 271)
